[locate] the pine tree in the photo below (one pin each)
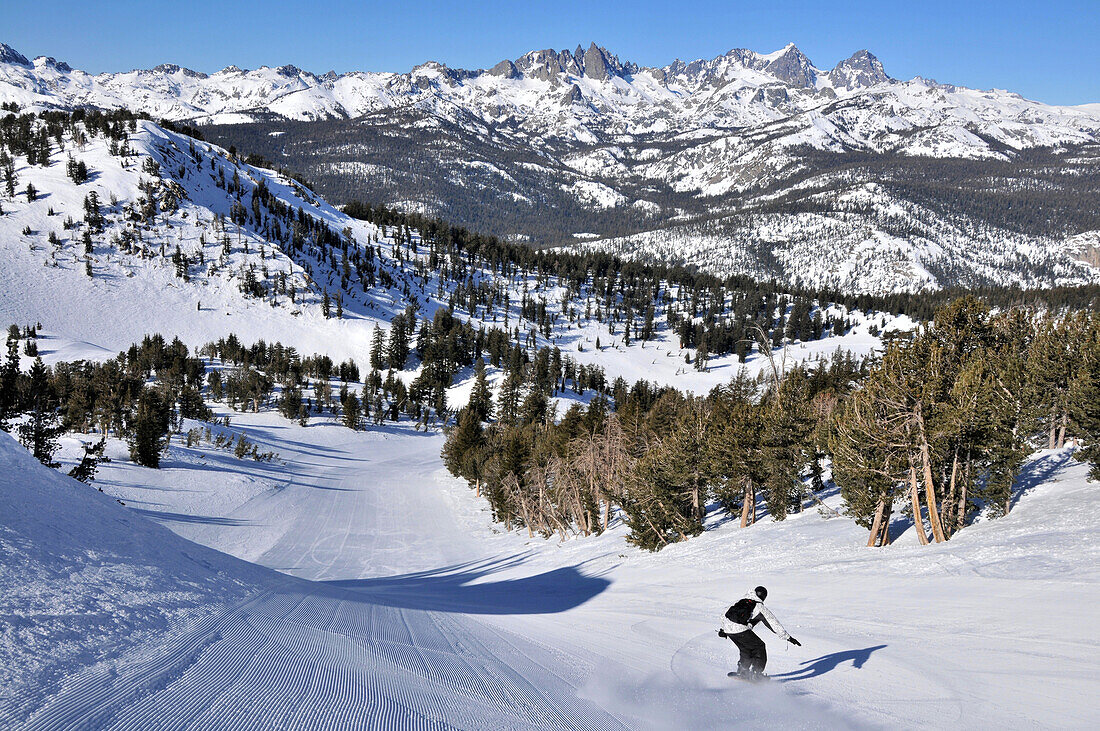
(40, 430)
(377, 349)
(509, 397)
(1051, 359)
(786, 447)
(665, 503)
(871, 452)
(7, 166)
(398, 347)
(1084, 398)
(9, 383)
(351, 411)
(734, 450)
(93, 215)
(149, 428)
(464, 450)
(481, 398)
(84, 471)
(290, 402)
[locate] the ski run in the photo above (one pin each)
(381, 595)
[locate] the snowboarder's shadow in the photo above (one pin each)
(825, 663)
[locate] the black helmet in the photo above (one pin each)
(761, 592)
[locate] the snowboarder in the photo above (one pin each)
(737, 625)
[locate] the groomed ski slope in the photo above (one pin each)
(398, 605)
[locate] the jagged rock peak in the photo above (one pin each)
(861, 69)
(53, 63)
(595, 63)
(10, 55)
(172, 68)
(792, 66)
(288, 70)
(505, 69)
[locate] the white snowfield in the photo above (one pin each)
(389, 600)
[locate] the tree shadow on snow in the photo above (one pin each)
(825, 663)
(453, 589)
(163, 516)
(1038, 471)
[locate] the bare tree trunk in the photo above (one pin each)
(929, 485)
(1061, 431)
(914, 497)
(876, 525)
(1052, 440)
(696, 507)
(886, 524)
(748, 505)
(960, 521)
(949, 503)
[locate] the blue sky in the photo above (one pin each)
(1044, 50)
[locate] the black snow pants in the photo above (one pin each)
(754, 653)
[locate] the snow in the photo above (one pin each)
(595, 194)
(82, 576)
(409, 607)
(711, 128)
(352, 583)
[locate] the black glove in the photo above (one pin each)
(794, 642)
(722, 633)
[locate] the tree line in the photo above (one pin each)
(936, 429)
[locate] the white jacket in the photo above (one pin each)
(732, 628)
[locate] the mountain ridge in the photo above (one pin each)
(579, 148)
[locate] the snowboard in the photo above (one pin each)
(748, 678)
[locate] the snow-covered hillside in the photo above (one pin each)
(554, 145)
(412, 611)
(132, 283)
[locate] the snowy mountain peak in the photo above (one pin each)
(505, 69)
(596, 63)
(10, 55)
(289, 70)
(171, 69)
(793, 67)
(52, 62)
(861, 69)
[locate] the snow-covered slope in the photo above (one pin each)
(83, 578)
(553, 145)
(137, 288)
(411, 611)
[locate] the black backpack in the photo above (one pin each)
(741, 612)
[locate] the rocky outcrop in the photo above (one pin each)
(10, 55)
(793, 67)
(858, 71)
(505, 70)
